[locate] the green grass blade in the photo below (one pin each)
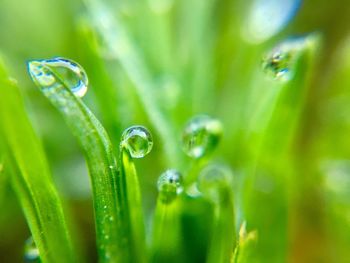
(112, 236)
(223, 236)
(268, 186)
(132, 202)
(31, 178)
(166, 240)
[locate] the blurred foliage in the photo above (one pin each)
(160, 62)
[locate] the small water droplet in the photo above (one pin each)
(213, 179)
(278, 63)
(31, 252)
(201, 136)
(137, 140)
(45, 72)
(170, 184)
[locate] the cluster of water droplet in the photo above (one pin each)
(201, 136)
(170, 185)
(47, 72)
(137, 140)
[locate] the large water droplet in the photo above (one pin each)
(137, 140)
(213, 179)
(46, 72)
(31, 252)
(268, 17)
(170, 184)
(278, 63)
(201, 136)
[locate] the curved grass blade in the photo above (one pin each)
(30, 177)
(110, 217)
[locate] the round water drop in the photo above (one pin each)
(201, 136)
(278, 63)
(137, 140)
(213, 179)
(170, 184)
(31, 252)
(46, 72)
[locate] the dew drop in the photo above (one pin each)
(137, 140)
(201, 136)
(278, 63)
(31, 252)
(170, 184)
(213, 179)
(45, 72)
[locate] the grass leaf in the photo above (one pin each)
(31, 179)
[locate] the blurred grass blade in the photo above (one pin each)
(31, 178)
(269, 180)
(118, 42)
(113, 240)
(166, 240)
(133, 205)
(223, 237)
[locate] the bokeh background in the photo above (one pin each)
(201, 59)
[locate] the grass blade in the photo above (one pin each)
(31, 178)
(132, 203)
(113, 240)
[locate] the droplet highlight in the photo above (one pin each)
(47, 72)
(138, 141)
(278, 63)
(170, 185)
(214, 179)
(201, 136)
(31, 252)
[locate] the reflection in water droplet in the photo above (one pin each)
(170, 184)
(278, 63)
(201, 136)
(213, 179)
(46, 71)
(137, 140)
(266, 18)
(31, 252)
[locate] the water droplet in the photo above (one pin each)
(278, 63)
(137, 140)
(201, 136)
(45, 72)
(31, 252)
(170, 184)
(266, 18)
(213, 179)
